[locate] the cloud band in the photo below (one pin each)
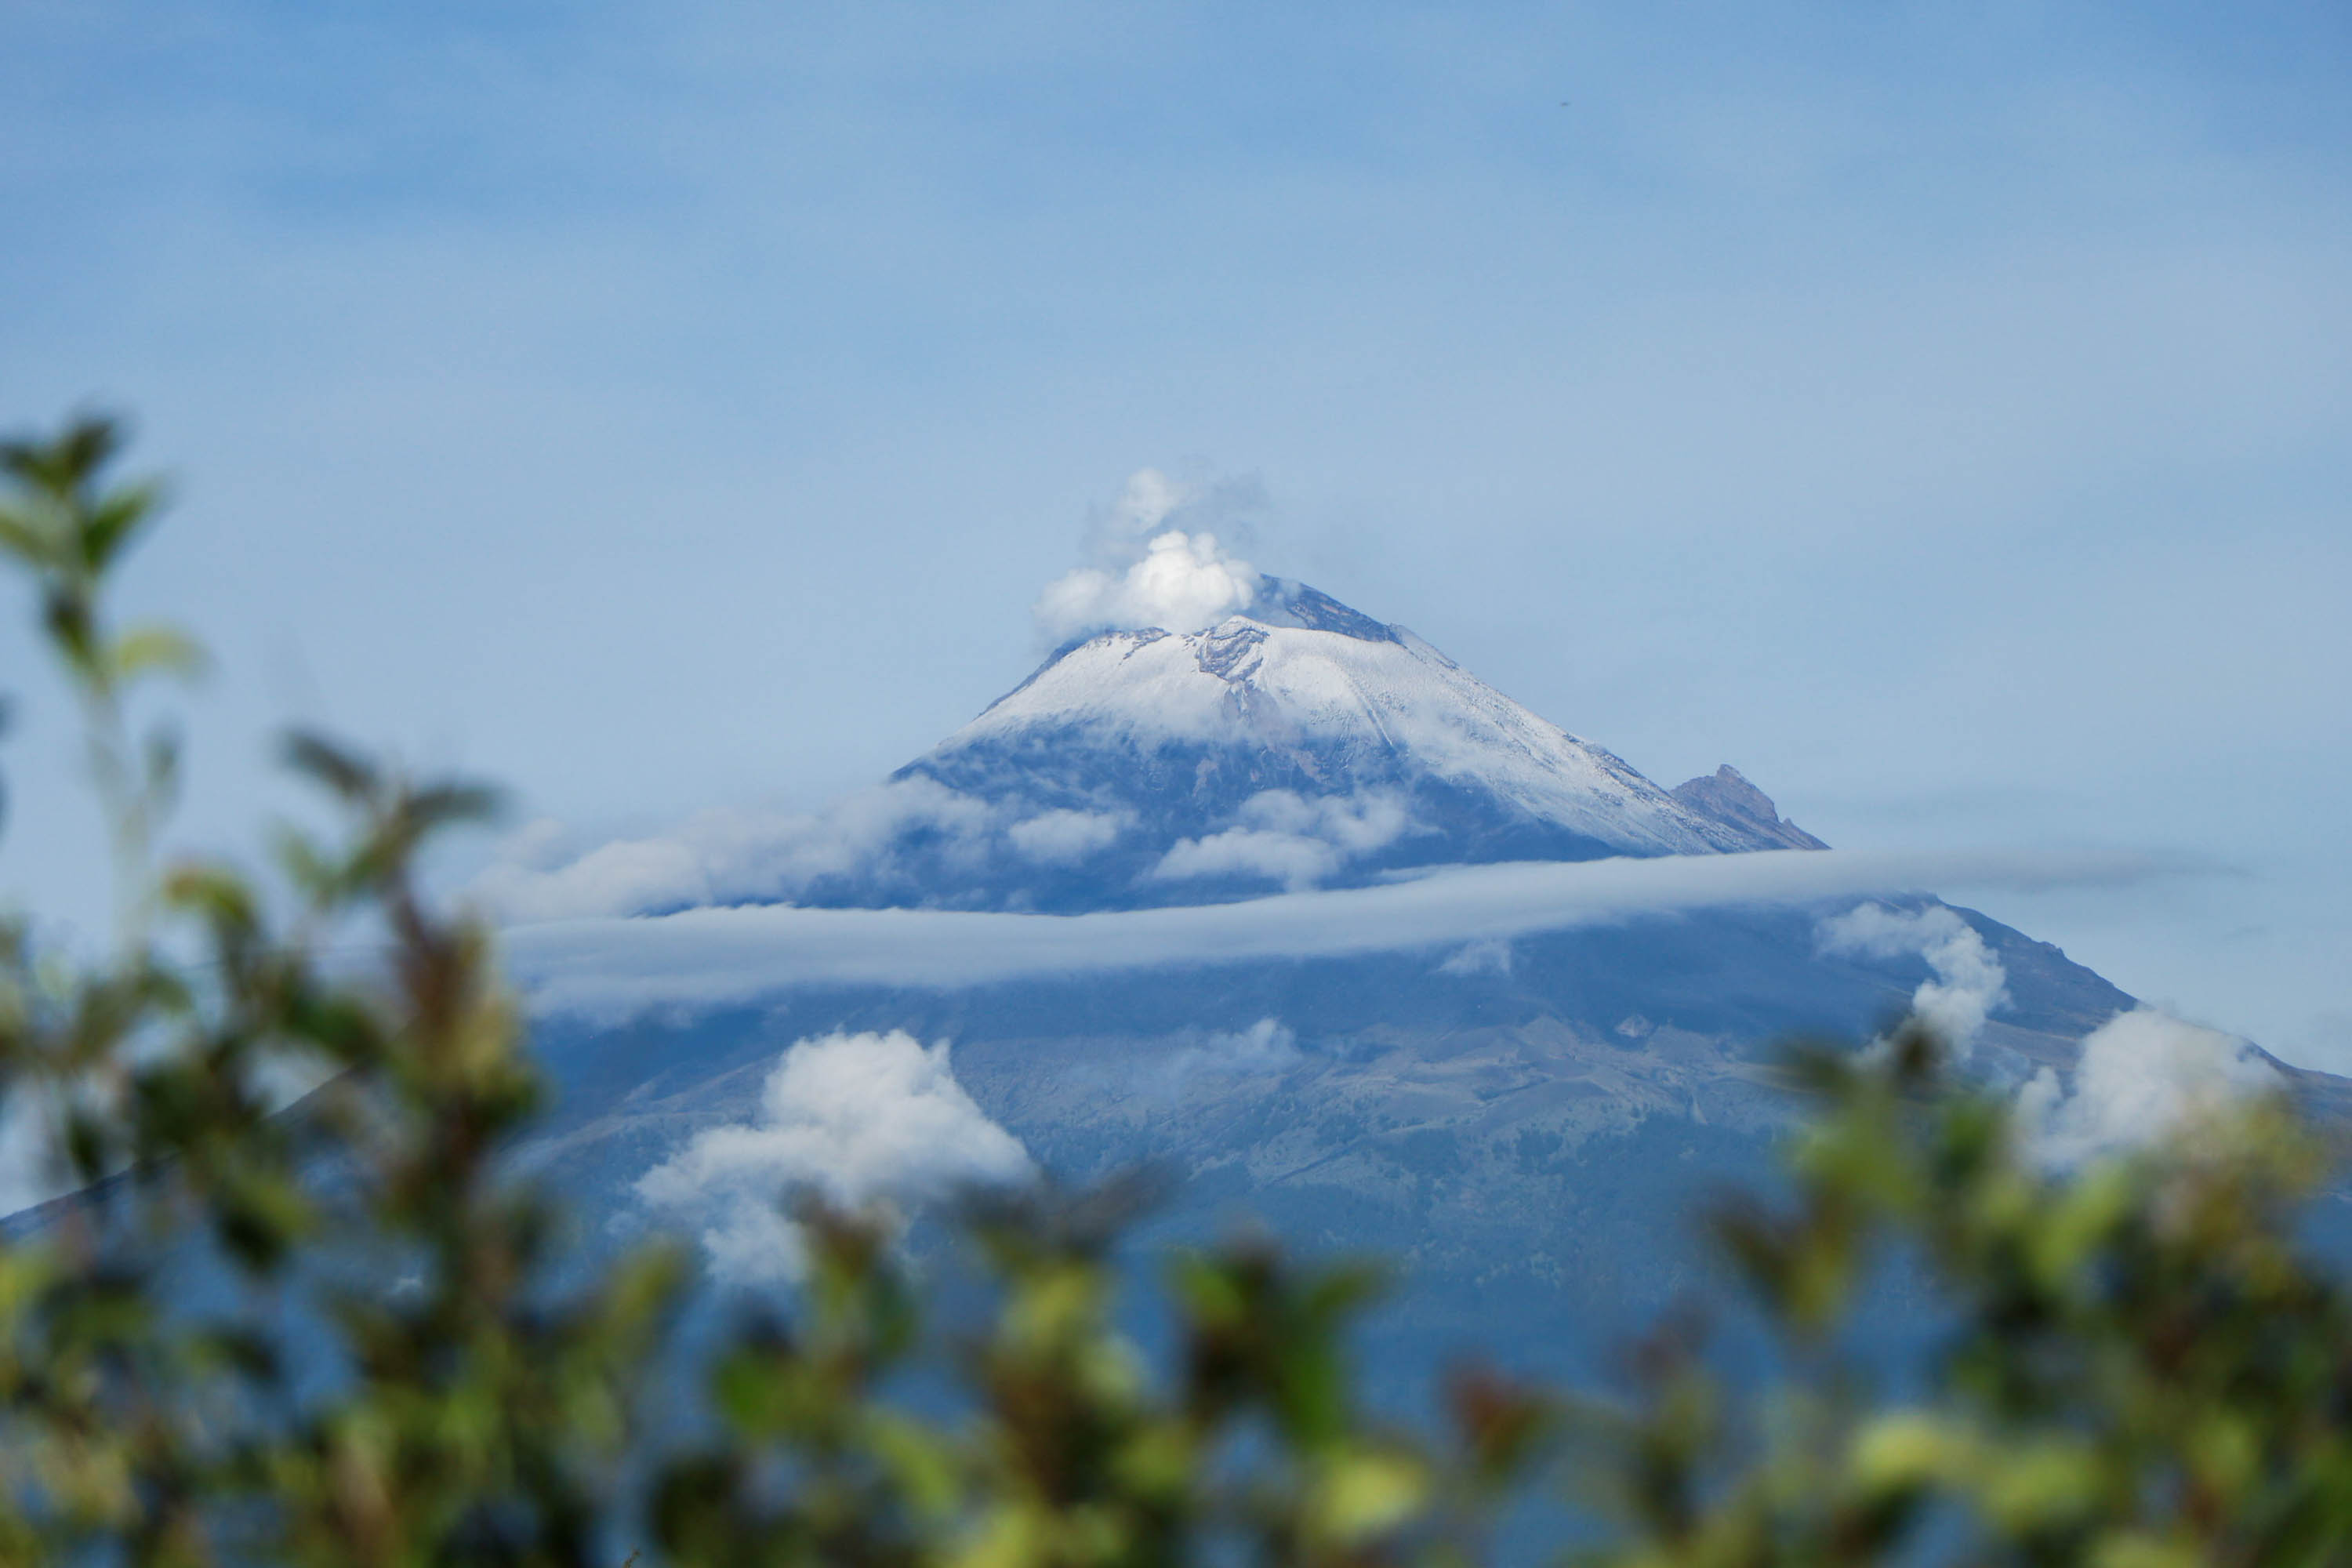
(711, 957)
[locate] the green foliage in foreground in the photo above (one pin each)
(2141, 1365)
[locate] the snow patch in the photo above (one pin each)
(1382, 707)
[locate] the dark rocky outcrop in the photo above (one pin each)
(1727, 796)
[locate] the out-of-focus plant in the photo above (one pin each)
(346, 1331)
(2135, 1365)
(343, 1331)
(318, 1335)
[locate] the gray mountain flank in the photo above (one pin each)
(1299, 708)
(1529, 1132)
(1727, 796)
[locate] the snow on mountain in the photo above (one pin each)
(1304, 743)
(1392, 705)
(1298, 743)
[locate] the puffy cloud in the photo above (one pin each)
(1490, 955)
(750, 857)
(712, 957)
(1063, 837)
(1285, 837)
(2143, 1077)
(863, 1119)
(1184, 583)
(1355, 823)
(735, 856)
(1267, 1048)
(542, 843)
(617, 878)
(1287, 858)
(1969, 981)
(1154, 570)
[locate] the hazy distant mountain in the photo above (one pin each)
(1525, 1125)
(1526, 1122)
(1300, 743)
(1728, 797)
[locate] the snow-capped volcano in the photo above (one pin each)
(1298, 743)
(1301, 742)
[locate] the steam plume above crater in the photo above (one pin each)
(1157, 566)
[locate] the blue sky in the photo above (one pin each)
(1944, 414)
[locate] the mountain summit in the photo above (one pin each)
(1300, 743)
(1523, 1122)
(1291, 743)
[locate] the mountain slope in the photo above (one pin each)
(1529, 1138)
(1302, 743)
(1526, 1126)
(1727, 796)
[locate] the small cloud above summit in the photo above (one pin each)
(1184, 583)
(1152, 501)
(1157, 566)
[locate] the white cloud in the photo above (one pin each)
(863, 1119)
(1489, 955)
(1969, 981)
(1286, 837)
(710, 957)
(732, 856)
(1267, 1048)
(1063, 837)
(1295, 861)
(1153, 572)
(1184, 583)
(750, 857)
(2143, 1077)
(616, 878)
(1355, 823)
(541, 845)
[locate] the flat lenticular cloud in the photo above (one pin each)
(714, 957)
(731, 856)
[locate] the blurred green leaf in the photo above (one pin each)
(153, 649)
